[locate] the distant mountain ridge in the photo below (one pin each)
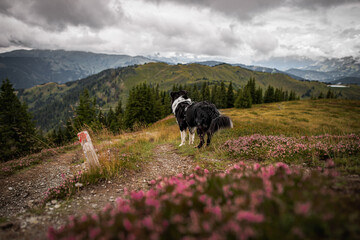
(27, 68)
(252, 68)
(324, 70)
(347, 81)
(328, 70)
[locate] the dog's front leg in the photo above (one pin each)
(183, 137)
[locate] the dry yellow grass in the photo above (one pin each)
(297, 118)
(310, 117)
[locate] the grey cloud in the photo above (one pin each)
(57, 14)
(264, 43)
(307, 4)
(245, 9)
(242, 9)
(350, 33)
(229, 38)
(4, 6)
(21, 43)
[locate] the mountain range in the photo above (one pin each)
(330, 70)
(252, 68)
(27, 68)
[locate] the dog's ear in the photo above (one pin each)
(183, 93)
(172, 94)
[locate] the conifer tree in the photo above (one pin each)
(86, 111)
(251, 87)
(238, 98)
(69, 131)
(269, 95)
(60, 137)
(205, 92)
(101, 118)
(165, 103)
(213, 95)
(221, 96)
(259, 96)
(195, 94)
(230, 96)
(142, 106)
(321, 96)
(244, 99)
(278, 95)
(17, 131)
(286, 96)
(330, 94)
(111, 122)
(292, 96)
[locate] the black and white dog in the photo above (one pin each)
(202, 116)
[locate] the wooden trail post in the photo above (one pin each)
(89, 151)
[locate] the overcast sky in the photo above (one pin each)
(228, 30)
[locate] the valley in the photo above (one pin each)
(113, 84)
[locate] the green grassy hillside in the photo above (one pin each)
(295, 122)
(52, 104)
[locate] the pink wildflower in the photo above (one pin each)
(302, 208)
(202, 198)
(256, 166)
(137, 195)
(284, 166)
(83, 218)
(148, 222)
(51, 233)
(250, 217)
(216, 210)
(177, 218)
(227, 191)
(152, 202)
(95, 217)
(127, 224)
(94, 232)
(330, 163)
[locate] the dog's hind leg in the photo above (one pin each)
(208, 138)
(191, 135)
(183, 137)
(201, 135)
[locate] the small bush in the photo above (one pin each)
(64, 190)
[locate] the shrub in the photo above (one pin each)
(64, 190)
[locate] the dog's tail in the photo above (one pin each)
(221, 121)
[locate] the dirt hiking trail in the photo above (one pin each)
(23, 191)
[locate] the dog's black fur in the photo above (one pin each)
(203, 116)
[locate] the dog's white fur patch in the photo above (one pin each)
(182, 133)
(178, 101)
(183, 137)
